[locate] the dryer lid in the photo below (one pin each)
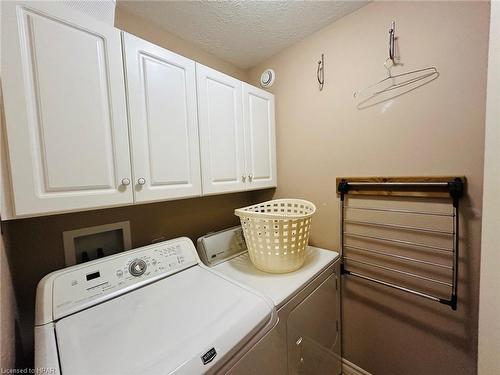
(187, 323)
(279, 287)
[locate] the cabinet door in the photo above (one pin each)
(313, 332)
(260, 139)
(161, 89)
(65, 109)
(221, 131)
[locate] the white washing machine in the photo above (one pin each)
(307, 338)
(152, 310)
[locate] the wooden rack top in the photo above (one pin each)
(407, 186)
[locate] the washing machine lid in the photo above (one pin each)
(188, 323)
(279, 287)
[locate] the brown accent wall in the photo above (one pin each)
(36, 244)
(437, 129)
(8, 313)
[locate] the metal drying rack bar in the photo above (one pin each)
(416, 187)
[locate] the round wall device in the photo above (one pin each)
(267, 78)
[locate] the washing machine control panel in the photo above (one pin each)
(88, 284)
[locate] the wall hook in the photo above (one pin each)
(320, 74)
(392, 38)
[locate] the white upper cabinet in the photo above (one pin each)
(260, 139)
(67, 91)
(221, 131)
(161, 89)
(65, 109)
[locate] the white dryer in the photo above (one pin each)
(307, 337)
(152, 310)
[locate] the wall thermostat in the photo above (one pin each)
(267, 78)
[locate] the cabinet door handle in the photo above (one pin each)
(250, 177)
(125, 181)
(141, 181)
(243, 178)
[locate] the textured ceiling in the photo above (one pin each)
(104, 10)
(243, 33)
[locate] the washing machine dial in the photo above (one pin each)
(137, 267)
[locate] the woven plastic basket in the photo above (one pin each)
(277, 233)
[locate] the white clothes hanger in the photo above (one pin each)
(396, 81)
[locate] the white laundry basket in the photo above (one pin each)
(277, 233)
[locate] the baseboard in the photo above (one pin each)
(349, 368)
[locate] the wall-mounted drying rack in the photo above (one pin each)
(446, 190)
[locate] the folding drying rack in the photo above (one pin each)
(426, 188)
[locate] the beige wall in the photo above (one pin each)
(145, 30)
(489, 301)
(437, 129)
